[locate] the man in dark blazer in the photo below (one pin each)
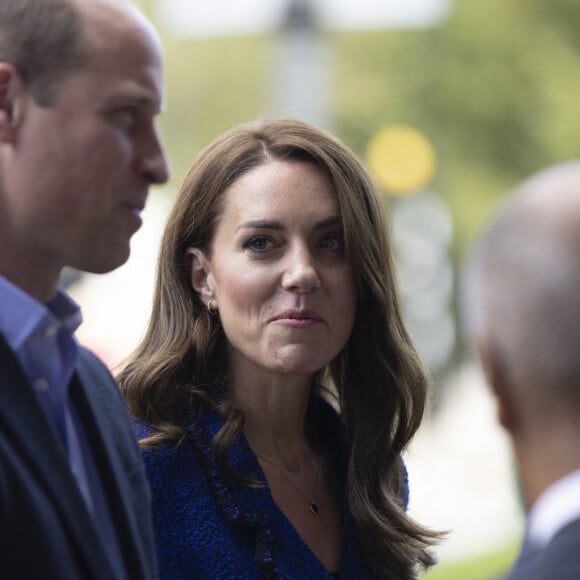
(80, 88)
(523, 314)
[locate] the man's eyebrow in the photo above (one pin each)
(142, 98)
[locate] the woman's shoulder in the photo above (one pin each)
(206, 424)
(171, 462)
(142, 430)
(191, 455)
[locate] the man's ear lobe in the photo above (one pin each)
(12, 91)
(200, 274)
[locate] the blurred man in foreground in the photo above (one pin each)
(523, 313)
(80, 87)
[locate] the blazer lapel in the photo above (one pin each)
(23, 422)
(106, 421)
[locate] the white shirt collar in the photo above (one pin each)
(554, 509)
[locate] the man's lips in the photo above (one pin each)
(133, 209)
(135, 206)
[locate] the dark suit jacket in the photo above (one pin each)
(46, 531)
(559, 560)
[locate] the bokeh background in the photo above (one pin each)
(450, 103)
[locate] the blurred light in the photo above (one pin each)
(301, 58)
(425, 214)
(366, 14)
(432, 300)
(435, 339)
(234, 17)
(422, 232)
(402, 159)
(219, 17)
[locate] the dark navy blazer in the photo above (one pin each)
(559, 560)
(46, 531)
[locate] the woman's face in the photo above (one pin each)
(278, 272)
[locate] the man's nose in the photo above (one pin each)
(154, 164)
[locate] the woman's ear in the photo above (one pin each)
(200, 275)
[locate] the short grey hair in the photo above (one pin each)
(522, 285)
(43, 40)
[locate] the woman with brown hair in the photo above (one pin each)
(277, 386)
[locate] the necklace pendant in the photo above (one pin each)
(313, 507)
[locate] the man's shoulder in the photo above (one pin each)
(560, 559)
(93, 366)
(563, 553)
(101, 403)
(97, 380)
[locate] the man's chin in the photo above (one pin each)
(106, 263)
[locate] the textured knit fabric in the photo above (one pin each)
(210, 528)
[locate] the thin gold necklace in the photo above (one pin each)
(312, 503)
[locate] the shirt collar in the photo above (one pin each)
(558, 506)
(66, 311)
(20, 313)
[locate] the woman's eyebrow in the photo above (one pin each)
(276, 225)
(261, 225)
(331, 221)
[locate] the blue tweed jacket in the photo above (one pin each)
(208, 527)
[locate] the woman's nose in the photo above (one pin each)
(300, 272)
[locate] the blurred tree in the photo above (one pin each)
(495, 88)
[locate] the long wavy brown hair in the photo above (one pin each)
(379, 380)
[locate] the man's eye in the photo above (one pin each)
(127, 115)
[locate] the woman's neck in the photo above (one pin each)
(274, 418)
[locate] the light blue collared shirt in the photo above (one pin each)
(42, 338)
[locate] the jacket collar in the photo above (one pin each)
(24, 423)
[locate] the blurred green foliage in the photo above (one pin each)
(495, 87)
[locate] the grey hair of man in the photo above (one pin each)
(522, 291)
(43, 40)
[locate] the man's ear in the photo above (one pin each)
(497, 378)
(12, 92)
(200, 275)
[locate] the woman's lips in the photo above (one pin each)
(297, 318)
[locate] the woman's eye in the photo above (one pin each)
(333, 241)
(258, 244)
